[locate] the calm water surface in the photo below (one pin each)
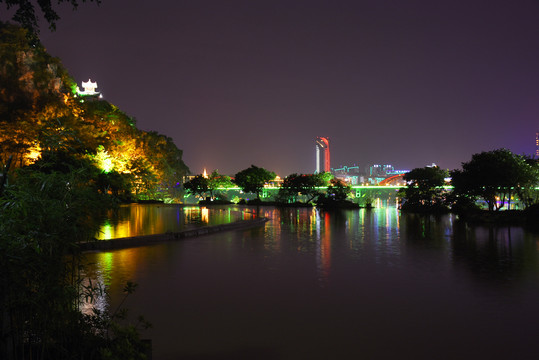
(351, 284)
(146, 219)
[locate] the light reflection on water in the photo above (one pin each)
(343, 284)
(145, 219)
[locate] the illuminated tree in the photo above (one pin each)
(495, 176)
(218, 181)
(253, 179)
(165, 160)
(303, 184)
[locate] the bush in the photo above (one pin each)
(43, 217)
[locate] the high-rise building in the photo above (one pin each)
(322, 149)
(537, 144)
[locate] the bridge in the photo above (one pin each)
(391, 180)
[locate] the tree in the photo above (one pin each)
(45, 211)
(424, 191)
(336, 195)
(338, 190)
(218, 181)
(495, 176)
(303, 184)
(25, 13)
(197, 186)
(529, 194)
(253, 179)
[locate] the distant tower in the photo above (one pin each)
(322, 145)
(537, 144)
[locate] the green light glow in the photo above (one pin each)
(103, 159)
(74, 89)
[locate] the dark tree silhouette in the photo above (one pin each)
(252, 179)
(425, 190)
(303, 184)
(496, 174)
(25, 13)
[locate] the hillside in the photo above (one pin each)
(41, 112)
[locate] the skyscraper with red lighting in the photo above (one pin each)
(322, 155)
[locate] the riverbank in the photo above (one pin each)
(145, 240)
(528, 218)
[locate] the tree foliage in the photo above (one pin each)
(197, 186)
(307, 185)
(424, 191)
(45, 211)
(495, 176)
(253, 179)
(338, 190)
(336, 195)
(25, 12)
(218, 181)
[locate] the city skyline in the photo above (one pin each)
(240, 83)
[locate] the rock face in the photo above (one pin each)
(28, 74)
(32, 84)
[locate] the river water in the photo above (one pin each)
(349, 284)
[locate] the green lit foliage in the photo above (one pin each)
(218, 181)
(197, 186)
(253, 179)
(496, 176)
(425, 191)
(307, 185)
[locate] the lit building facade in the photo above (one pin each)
(537, 144)
(349, 174)
(369, 175)
(90, 90)
(323, 157)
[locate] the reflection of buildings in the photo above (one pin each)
(322, 149)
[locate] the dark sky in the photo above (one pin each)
(236, 83)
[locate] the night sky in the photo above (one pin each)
(236, 83)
